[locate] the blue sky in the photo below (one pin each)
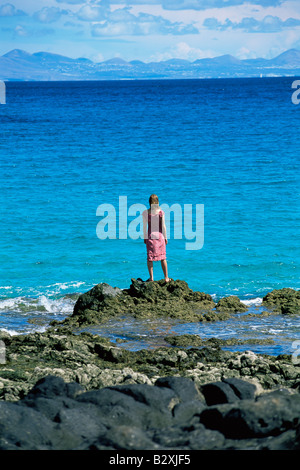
(151, 29)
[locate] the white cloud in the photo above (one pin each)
(182, 50)
(20, 31)
(92, 13)
(97, 57)
(71, 2)
(49, 14)
(199, 4)
(10, 10)
(269, 24)
(245, 53)
(158, 29)
(208, 4)
(122, 22)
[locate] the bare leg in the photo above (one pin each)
(164, 266)
(150, 269)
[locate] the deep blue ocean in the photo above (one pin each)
(66, 148)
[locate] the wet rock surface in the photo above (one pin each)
(187, 340)
(67, 390)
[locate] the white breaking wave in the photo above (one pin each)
(65, 285)
(8, 304)
(30, 329)
(43, 304)
(253, 302)
(57, 306)
(51, 290)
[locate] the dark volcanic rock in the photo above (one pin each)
(218, 392)
(228, 391)
(268, 415)
(171, 414)
(183, 387)
(22, 427)
(124, 437)
(52, 387)
(94, 298)
(242, 389)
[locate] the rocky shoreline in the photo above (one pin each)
(67, 390)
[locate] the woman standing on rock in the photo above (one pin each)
(155, 236)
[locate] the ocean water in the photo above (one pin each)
(66, 148)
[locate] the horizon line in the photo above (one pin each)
(142, 61)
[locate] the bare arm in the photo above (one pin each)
(145, 224)
(164, 229)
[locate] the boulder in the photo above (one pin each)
(171, 414)
(124, 437)
(218, 392)
(286, 301)
(183, 387)
(25, 428)
(95, 297)
(268, 415)
(243, 389)
(231, 304)
(228, 390)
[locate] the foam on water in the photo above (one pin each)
(24, 315)
(252, 302)
(42, 305)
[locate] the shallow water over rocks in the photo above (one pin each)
(151, 315)
(273, 335)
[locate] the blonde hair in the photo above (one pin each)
(153, 199)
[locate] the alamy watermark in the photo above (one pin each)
(2, 92)
(188, 222)
(296, 354)
(2, 352)
(296, 94)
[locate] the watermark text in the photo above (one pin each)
(2, 352)
(296, 94)
(188, 222)
(296, 354)
(2, 92)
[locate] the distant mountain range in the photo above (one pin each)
(44, 66)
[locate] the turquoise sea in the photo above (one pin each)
(66, 148)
